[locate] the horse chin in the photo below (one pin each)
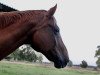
(59, 62)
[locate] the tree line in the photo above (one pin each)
(25, 53)
(84, 63)
(97, 55)
(28, 54)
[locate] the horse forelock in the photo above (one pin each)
(9, 18)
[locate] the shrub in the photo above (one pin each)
(84, 64)
(70, 63)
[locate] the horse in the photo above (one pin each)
(35, 27)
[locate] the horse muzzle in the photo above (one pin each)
(61, 63)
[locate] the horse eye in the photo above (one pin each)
(56, 31)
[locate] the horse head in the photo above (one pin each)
(47, 40)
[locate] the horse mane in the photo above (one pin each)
(8, 18)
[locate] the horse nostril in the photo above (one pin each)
(64, 63)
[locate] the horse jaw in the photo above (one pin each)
(60, 60)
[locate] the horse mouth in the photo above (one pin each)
(60, 64)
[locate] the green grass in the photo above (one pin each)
(7, 68)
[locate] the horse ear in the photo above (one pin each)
(51, 11)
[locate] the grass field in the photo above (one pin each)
(8, 68)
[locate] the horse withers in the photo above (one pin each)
(35, 27)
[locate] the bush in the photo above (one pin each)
(8, 58)
(84, 64)
(70, 63)
(23, 54)
(95, 68)
(98, 62)
(97, 54)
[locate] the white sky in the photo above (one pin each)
(79, 22)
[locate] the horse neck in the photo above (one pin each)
(9, 18)
(16, 32)
(19, 24)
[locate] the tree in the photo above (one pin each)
(28, 54)
(84, 64)
(8, 58)
(24, 53)
(40, 58)
(97, 54)
(70, 63)
(98, 62)
(15, 54)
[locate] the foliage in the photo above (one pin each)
(15, 55)
(98, 62)
(40, 58)
(70, 63)
(84, 64)
(25, 53)
(97, 54)
(8, 58)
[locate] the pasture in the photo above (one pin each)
(10, 68)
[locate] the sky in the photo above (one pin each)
(79, 23)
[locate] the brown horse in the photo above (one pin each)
(35, 27)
